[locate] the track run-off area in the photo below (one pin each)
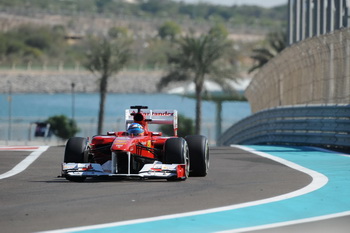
(248, 189)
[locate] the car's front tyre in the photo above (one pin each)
(74, 153)
(176, 152)
(75, 149)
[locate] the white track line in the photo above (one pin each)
(25, 162)
(321, 181)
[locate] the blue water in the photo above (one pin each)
(16, 124)
(41, 106)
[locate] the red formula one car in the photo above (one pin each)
(137, 152)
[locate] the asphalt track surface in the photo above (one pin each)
(37, 200)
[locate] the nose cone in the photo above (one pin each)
(127, 144)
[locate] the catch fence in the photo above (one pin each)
(313, 71)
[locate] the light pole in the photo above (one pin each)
(9, 99)
(73, 100)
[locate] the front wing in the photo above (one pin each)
(157, 170)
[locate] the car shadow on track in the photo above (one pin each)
(103, 180)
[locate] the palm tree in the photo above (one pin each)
(106, 57)
(276, 42)
(199, 59)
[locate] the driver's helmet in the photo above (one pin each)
(135, 129)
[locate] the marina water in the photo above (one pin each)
(18, 115)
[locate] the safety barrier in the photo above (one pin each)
(317, 125)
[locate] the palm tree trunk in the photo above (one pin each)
(198, 108)
(218, 119)
(103, 93)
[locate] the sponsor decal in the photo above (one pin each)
(165, 113)
(87, 167)
(120, 142)
(156, 169)
(149, 143)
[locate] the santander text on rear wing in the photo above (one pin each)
(168, 117)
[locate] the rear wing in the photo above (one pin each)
(166, 117)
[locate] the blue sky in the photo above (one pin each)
(264, 3)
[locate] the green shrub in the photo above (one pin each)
(185, 127)
(62, 126)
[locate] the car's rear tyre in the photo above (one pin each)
(176, 152)
(199, 154)
(74, 153)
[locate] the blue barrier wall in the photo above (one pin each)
(318, 125)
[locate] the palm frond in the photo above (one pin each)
(262, 52)
(276, 43)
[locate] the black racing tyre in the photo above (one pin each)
(199, 154)
(75, 149)
(176, 152)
